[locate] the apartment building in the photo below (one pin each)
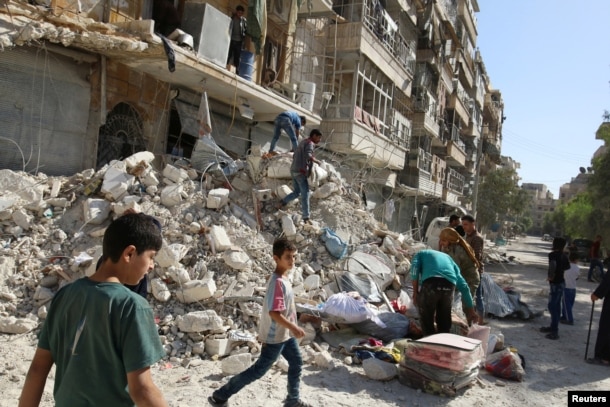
(397, 86)
(542, 203)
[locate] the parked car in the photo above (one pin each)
(582, 247)
(546, 237)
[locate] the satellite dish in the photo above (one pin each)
(583, 170)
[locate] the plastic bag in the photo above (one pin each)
(350, 309)
(505, 364)
(335, 246)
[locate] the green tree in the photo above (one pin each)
(576, 218)
(500, 197)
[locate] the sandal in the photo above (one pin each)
(597, 361)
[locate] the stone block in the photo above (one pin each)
(96, 211)
(199, 321)
(116, 182)
(175, 174)
(217, 346)
(22, 219)
(159, 290)
(220, 238)
(288, 226)
(236, 259)
(236, 364)
(196, 290)
(171, 195)
(170, 255)
(377, 369)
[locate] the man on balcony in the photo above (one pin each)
(237, 30)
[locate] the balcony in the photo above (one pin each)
(455, 181)
(456, 102)
(466, 14)
(422, 121)
(456, 153)
(466, 70)
(493, 108)
(390, 51)
(473, 129)
(348, 136)
(447, 77)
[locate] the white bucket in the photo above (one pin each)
(307, 94)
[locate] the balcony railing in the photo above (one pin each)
(455, 181)
(379, 22)
(424, 160)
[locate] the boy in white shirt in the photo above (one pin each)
(569, 292)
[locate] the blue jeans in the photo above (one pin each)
(269, 355)
(569, 295)
(595, 263)
(300, 187)
(283, 123)
(555, 297)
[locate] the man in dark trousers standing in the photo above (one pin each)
(602, 344)
(237, 30)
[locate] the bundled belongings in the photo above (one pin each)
(507, 364)
(441, 364)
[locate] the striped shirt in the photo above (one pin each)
(279, 297)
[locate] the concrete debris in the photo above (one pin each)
(211, 273)
(377, 369)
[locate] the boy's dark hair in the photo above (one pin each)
(468, 218)
(142, 231)
(453, 217)
(303, 120)
(573, 257)
(239, 8)
(282, 245)
(315, 132)
(559, 243)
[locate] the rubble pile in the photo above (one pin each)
(211, 273)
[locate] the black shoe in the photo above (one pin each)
(296, 403)
(218, 403)
(566, 322)
(552, 336)
(590, 281)
(546, 329)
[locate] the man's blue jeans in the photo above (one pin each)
(269, 355)
(569, 295)
(555, 297)
(300, 187)
(595, 263)
(283, 123)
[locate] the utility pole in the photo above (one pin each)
(475, 190)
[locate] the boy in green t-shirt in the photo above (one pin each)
(100, 335)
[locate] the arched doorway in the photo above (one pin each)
(121, 136)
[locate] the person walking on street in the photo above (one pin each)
(595, 258)
(475, 240)
(435, 276)
(237, 30)
(569, 292)
(302, 164)
(558, 264)
(291, 123)
(278, 331)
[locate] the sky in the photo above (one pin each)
(551, 61)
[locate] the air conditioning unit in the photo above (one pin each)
(279, 10)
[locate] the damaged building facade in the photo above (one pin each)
(398, 87)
